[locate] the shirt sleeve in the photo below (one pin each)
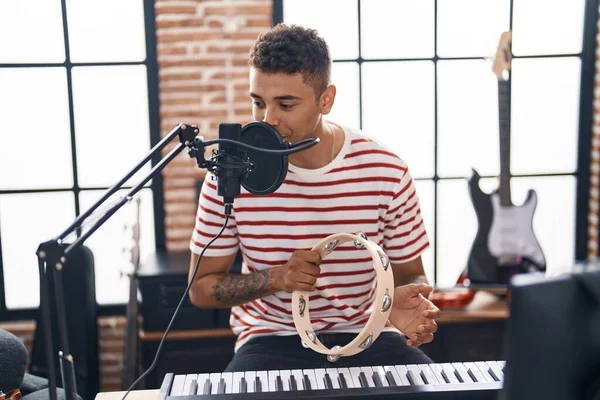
(405, 237)
(209, 222)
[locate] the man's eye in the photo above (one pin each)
(258, 104)
(286, 106)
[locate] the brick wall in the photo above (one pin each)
(594, 201)
(203, 80)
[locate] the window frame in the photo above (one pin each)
(151, 63)
(582, 172)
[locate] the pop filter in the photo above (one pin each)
(270, 169)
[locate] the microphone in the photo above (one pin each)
(254, 157)
(13, 362)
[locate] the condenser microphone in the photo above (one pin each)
(13, 361)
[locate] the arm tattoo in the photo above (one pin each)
(235, 289)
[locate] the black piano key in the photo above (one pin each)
(193, 387)
(424, 378)
(278, 384)
(493, 374)
(377, 379)
(445, 376)
(362, 378)
(221, 388)
(207, 387)
(328, 383)
(342, 381)
(472, 375)
(390, 378)
(243, 385)
(293, 384)
(257, 385)
(460, 379)
(306, 383)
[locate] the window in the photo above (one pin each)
(77, 112)
(417, 75)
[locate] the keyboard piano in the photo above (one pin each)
(468, 380)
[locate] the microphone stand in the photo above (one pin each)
(54, 253)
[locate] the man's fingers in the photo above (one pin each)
(432, 314)
(307, 278)
(420, 339)
(431, 327)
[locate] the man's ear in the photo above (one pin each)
(327, 99)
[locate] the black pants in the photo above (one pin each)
(286, 352)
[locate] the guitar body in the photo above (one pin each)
(505, 243)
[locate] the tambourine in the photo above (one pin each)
(381, 308)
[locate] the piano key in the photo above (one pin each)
(285, 375)
(437, 371)
(377, 379)
(333, 376)
(312, 381)
(328, 382)
(189, 378)
(306, 383)
(474, 372)
(368, 371)
(178, 383)
(362, 379)
(485, 370)
(381, 373)
(273, 384)
(320, 377)
(202, 378)
(427, 374)
(258, 387)
(502, 365)
(347, 377)
(298, 377)
(236, 383)
(496, 371)
(221, 387)
(449, 373)
(207, 386)
(215, 378)
(403, 374)
(462, 373)
(354, 373)
(392, 376)
(264, 380)
(228, 377)
(193, 389)
(279, 384)
(414, 374)
(249, 377)
(293, 385)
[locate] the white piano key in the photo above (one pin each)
(495, 367)
(237, 378)
(273, 374)
(354, 373)
(215, 377)
(320, 377)
(202, 378)
(285, 378)
(381, 372)
(368, 371)
(415, 373)
(484, 369)
(188, 383)
(502, 364)
(428, 373)
(450, 372)
(178, 384)
(228, 378)
(437, 371)
(403, 374)
(264, 380)
(333, 375)
(399, 380)
(250, 376)
(463, 372)
(311, 378)
(298, 376)
(347, 376)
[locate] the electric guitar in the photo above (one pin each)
(505, 243)
(131, 337)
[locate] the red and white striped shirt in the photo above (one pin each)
(366, 188)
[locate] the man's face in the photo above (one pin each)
(286, 102)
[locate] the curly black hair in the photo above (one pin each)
(293, 49)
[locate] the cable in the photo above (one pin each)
(294, 148)
(160, 345)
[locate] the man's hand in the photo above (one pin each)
(299, 273)
(413, 314)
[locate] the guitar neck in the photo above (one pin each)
(504, 130)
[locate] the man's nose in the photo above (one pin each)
(271, 118)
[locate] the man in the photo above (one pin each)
(346, 183)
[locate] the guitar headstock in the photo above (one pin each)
(503, 57)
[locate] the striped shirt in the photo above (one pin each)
(366, 188)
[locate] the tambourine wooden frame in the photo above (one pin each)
(382, 304)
